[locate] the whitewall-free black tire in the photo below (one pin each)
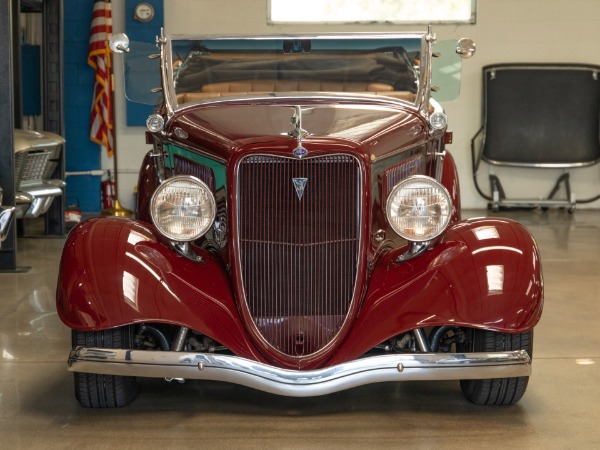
(104, 391)
(496, 391)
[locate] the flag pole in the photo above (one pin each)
(116, 209)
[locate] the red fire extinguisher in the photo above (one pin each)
(108, 192)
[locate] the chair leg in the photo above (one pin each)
(564, 178)
(498, 193)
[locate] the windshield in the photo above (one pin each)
(198, 69)
(207, 68)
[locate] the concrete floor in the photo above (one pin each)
(561, 408)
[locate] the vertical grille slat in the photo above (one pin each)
(299, 257)
(395, 174)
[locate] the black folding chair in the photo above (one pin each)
(538, 116)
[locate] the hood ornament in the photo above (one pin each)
(299, 185)
(298, 133)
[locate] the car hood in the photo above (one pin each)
(34, 140)
(373, 128)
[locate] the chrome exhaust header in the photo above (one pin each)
(299, 383)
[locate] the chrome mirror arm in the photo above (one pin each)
(430, 39)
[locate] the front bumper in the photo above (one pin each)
(6, 215)
(35, 198)
(296, 383)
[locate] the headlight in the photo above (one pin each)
(438, 120)
(419, 208)
(183, 208)
(155, 123)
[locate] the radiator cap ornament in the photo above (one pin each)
(298, 133)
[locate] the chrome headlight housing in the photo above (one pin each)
(419, 208)
(183, 208)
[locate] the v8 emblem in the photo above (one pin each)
(299, 185)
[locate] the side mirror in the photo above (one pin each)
(119, 43)
(466, 48)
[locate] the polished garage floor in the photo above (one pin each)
(561, 408)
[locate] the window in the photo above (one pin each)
(372, 11)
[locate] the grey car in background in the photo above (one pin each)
(37, 155)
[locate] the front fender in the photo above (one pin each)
(115, 272)
(451, 183)
(483, 273)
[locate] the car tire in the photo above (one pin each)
(104, 391)
(496, 391)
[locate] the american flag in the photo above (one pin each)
(101, 121)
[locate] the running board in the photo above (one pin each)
(300, 383)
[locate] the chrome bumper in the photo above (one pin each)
(6, 215)
(35, 198)
(297, 383)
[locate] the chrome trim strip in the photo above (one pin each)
(296, 383)
(259, 37)
(324, 98)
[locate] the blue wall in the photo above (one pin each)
(81, 153)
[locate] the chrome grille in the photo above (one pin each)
(30, 166)
(299, 254)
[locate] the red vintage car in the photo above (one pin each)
(299, 230)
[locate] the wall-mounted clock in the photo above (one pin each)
(143, 12)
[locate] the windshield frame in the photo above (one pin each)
(426, 39)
